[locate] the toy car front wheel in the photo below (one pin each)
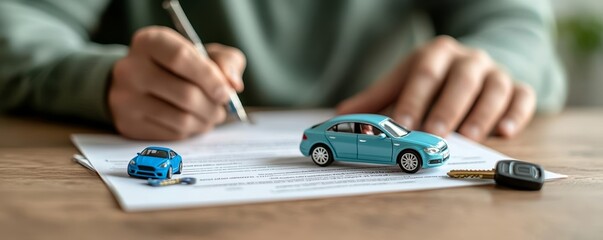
(321, 155)
(179, 168)
(410, 161)
(169, 173)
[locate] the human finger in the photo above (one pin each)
(181, 124)
(132, 121)
(173, 52)
(379, 95)
(462, 86)
(184, 95)
(490, 106)
(231, 61)
(150, 130)
(429, 69)
(520, 111)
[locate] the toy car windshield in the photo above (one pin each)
(154, 153)
(394, 129)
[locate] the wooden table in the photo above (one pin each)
(44, 195)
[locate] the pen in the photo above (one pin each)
(186, 29)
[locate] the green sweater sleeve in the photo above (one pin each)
(48, 64)
(517, 34)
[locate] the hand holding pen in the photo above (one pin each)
(165, 90)
(186, 29)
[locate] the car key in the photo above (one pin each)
(509, 173)
(166, 182)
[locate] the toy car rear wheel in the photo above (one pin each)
(321, 155)
(169, 173)
(410, 161)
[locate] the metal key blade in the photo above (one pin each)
(479, 174)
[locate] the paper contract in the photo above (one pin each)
(239, 163)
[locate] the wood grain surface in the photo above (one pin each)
(45, 195)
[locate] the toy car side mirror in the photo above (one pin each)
(138, 154)
(382, 135)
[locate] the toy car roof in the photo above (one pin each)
(158, 148)
(371, 118)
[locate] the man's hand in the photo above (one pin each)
(445, 86)
(165, 90)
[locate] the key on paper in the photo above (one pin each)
(509, 173)
(159, 183)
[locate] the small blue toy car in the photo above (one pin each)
(155, 162)
(372, 138)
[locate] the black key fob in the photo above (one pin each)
(519, 175)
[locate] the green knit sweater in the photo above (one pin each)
(56, 56)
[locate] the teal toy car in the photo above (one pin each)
(372, 138)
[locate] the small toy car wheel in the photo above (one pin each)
(179, 168)
(409, 161)
(169, 173)
(321, 155)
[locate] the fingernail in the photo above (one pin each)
(508, 126)
(438, 128)
(405, 121)
(472, 132)
(221, 93)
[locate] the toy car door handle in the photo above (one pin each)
(396, 144)
(331, 137)
(362, 140)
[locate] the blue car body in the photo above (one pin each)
(155, 162)
(388, 142)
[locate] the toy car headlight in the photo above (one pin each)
(163, 165)
(431, 150)
(132, 162)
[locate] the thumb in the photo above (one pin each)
(378, 96)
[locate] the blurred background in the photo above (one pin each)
(580, 43)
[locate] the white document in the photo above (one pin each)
(240, 163)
